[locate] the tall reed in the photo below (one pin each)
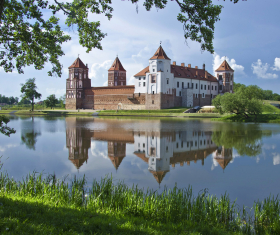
(172, 205)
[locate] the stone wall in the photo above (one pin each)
(199, 101)
(153, 101)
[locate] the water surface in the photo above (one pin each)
(240, 159)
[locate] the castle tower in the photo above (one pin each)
(117, 74)
(78, 142)
(116, 152)
(77, 82)
(225, 76)
(223, 156)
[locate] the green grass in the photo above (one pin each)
(270, 114)
(50, 206)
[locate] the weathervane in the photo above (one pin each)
(160, 42)
(78, 55)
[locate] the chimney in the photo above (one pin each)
(196, 72)
(203, 66)
(174, 62)
(206, 75)
(189, 65)
(183, 64)
(87, 65)
(196, 67)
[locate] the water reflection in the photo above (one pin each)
(158, 148)
(29, 134)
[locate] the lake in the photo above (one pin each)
(238, 158)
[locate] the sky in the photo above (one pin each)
(247, 35)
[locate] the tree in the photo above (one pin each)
(62, 101)
(4, 129)
(29, 90)
(51, 101)
(29, 37)
(246, 101)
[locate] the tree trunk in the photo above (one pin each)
(32, 103)
(2, 2)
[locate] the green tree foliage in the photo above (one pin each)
(4, 129)
(29, 91)
(8, 100)
(266, 94)
(51, 101)
(61, 100)
(245, 138)
(246, 101)
(31, 33)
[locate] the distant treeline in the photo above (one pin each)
(265, 94)
(8, 100)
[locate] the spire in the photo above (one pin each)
(159, 175)
(160, 54)
(117, 65)
(78, 64)
(224, 67)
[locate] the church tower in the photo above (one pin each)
(76, 84)
(117, 74)
(225, 77)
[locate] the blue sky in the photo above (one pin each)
(247, 34)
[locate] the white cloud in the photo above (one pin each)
(276, 64)
(217, 60)
(276, 158)
(260, 70)
(56, 92)
(99, 73)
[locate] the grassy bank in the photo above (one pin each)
(50, 206)
(174, 112)
(270, 114)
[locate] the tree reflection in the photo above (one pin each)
(245, 138)
(30, 139)
(29, 135)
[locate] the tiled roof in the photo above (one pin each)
(160, 54)
(78, 64)
(117, 65)
(184, 72)
(142, 72)
(224, 67)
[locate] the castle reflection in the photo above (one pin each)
(156, 147)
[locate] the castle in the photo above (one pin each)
(158, 86)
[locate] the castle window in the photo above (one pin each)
(196, 86)
(212, 88)
(182, 85)
(182, 144)
(220, 77)
(153, 70)
(180, 94)
(144, 83)
(143, 145)
(188, 84)
(167, 81)
(139, 84)
(144, 78)
(153, 92)
(215, 88)
(167, 149)
(153, 79)
(152, 101)
(211, 96)
(231, 87)
(177, 145)
(80, 76)
(139, 78)
(208, 87)
(221, 87)
(205, 87)
(201, 87)
(203, 96)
